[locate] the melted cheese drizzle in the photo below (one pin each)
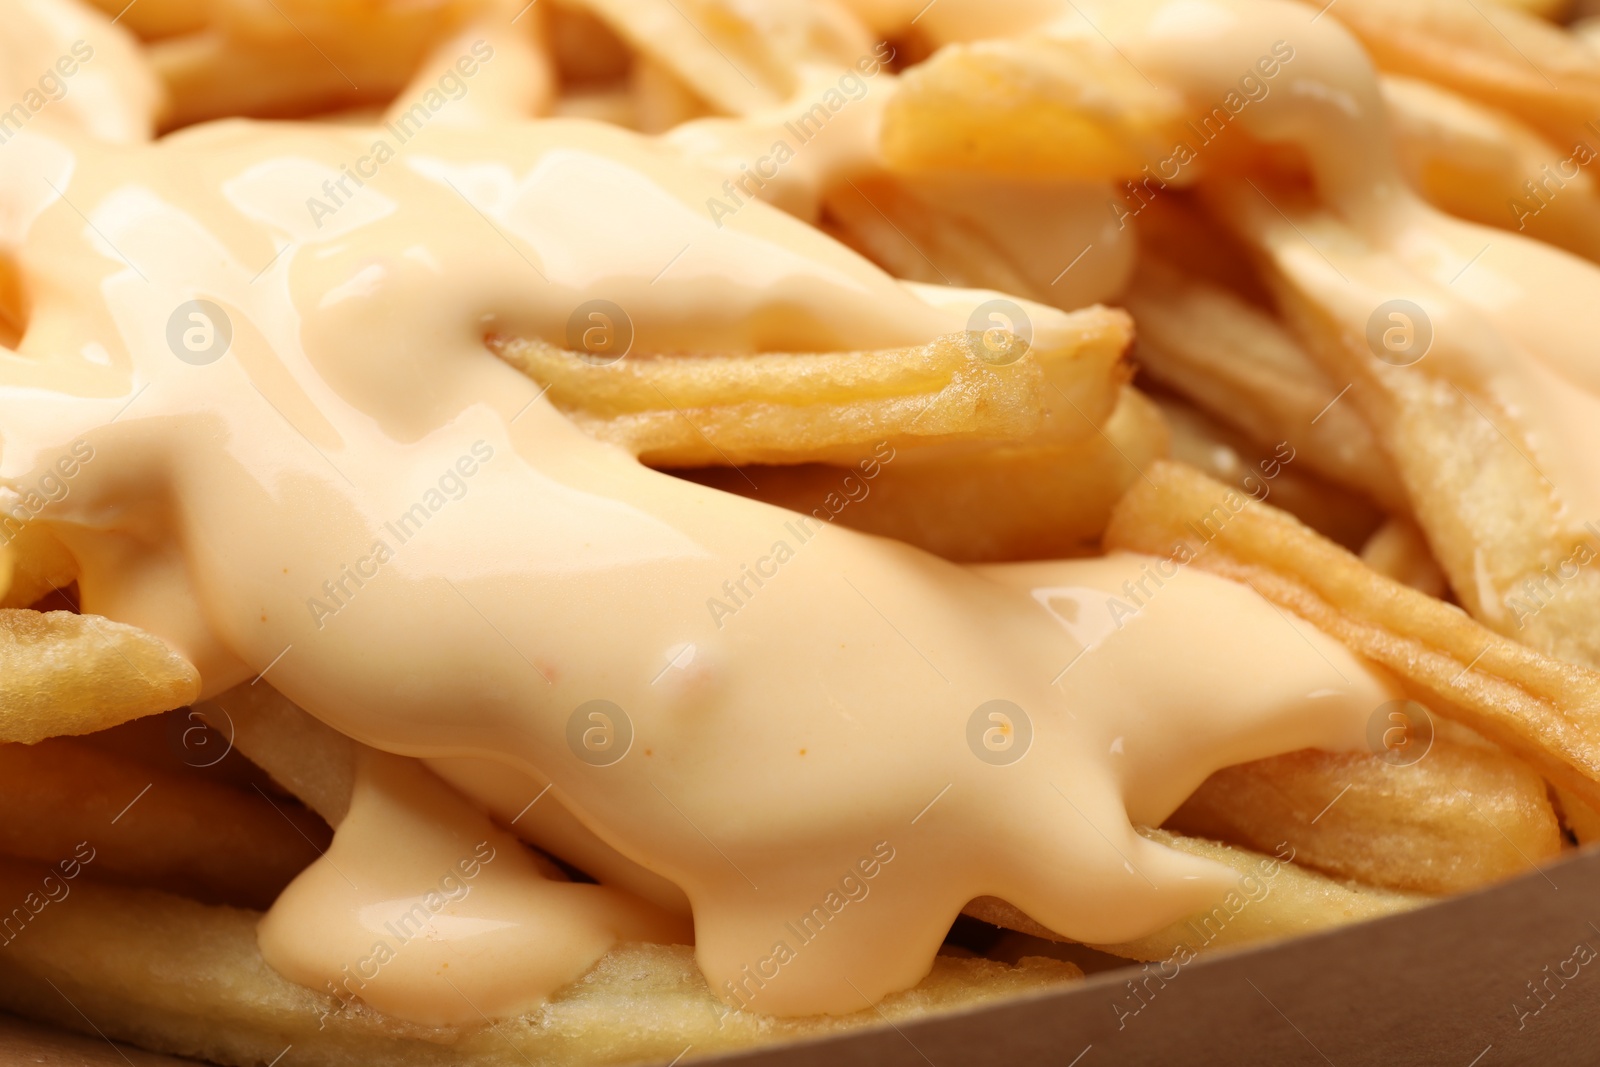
(818, 774)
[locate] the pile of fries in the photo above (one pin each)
(1204, 400)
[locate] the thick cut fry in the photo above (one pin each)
(1493, 53)
(188, 979)
(1239, 364)
(1020, 237)
(1399, 550)
(40, 565)
(687, 411)
(1272, 473)
(174, 831)
(313, 761)
(1273, 899)
(1030, 108)
(1544, 710)
(739, 57)
(1462, 816)
(1482, 164)
(1033, 500)
(64, 674)
(1460, 437)
(298, 57)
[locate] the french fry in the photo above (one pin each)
(298, 57)
(882, 219)
(1274, 899)
(187, 978)
(1481, 164)
(63, 674)
(1495, 522)
(156, 828)
(1036, 499)
(1236, 362)
(687, 411)
(1493, 53)
(311, 760)
(1544, 710)
(1020, 237)
(40, 565)
(740, 58)
(1028, 108)
(1462, 816)
(1399, 550)
(1267, 473)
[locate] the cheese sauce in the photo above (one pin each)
(320, 477)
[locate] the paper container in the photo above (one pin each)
(1452, 984)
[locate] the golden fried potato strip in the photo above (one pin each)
(64, 674)
(154, 827)
(297, 57)
(1042, 498)
(188, 978)
(1464, 816)
(1477, 162)
(313, 761)
(40, 565)
(882, 218)
(1030, 107)
(1544, 710)
(1273, 473)
(739, 57)
(1240, 365)
(1399, 550)
(1493, 53)
(1459, 441)
(689, 411)
(1273, 899)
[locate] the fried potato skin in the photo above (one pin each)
(1462, 817)
(64, 674)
